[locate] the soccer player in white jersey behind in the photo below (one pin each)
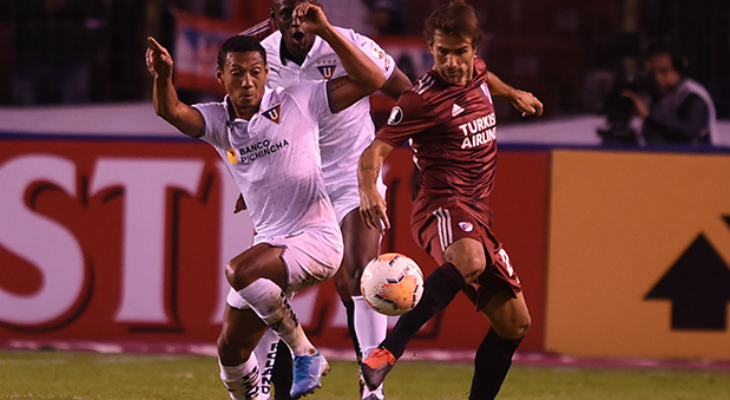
(268, 139)
(297, 56)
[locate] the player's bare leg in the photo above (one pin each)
(342, 287)
(465, 261)
(361, 246)
(239, 371)
(510, 321)
(258, 275)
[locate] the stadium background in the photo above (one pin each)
(113, 228)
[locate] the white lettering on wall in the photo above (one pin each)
(236, 235)
(40, 241)
(145, 183)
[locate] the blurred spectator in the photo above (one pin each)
(681, 110)
(351, 14)
(57, 42)
(388, 16)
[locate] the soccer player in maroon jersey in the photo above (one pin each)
(449, 116)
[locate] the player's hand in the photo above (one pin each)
(159, 61)
(240, 204)
(372, 210)
(310, 17)
(526, 103)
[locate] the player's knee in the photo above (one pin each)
(232, 350)
(238, 275)
(355, 275)
(521, 328)
(469, 260)
(515, 328)
(470, 267)
(354, 287)
(342, 286)
(354, 264)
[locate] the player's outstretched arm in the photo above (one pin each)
(398, 84)
(363, 76)
(372, 204)
(164, 95)
(524, 102)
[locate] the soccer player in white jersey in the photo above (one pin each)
(296, 56)
(268, 139)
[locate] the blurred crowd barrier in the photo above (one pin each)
(568, 52)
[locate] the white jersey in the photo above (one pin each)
(343, 136)
(275, 159)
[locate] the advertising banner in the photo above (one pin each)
(197, 41)
(639, 253)
(121, 240)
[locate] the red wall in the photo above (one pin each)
(70, 230)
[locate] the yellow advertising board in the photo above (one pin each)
(639, 254)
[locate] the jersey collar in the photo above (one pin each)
(476, 78)
(231, 113)
(283, 52)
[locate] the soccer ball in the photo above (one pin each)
(392, 284)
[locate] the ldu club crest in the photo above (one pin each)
(273, 113)
(327, 71)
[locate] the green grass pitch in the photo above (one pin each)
(90, 376)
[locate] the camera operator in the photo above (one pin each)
(622, 54)
(681, 110)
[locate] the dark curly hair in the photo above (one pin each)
(455, 17)
(239, 44)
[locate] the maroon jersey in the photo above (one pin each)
(452, 129)
(261, 30)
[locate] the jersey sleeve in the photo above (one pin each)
(408, 117)
(313, 98)
(261, 30)
(373, 51)
(214, 115)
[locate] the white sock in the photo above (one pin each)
(370, 326)
(266, 354)
(242, 381)
(270, 303)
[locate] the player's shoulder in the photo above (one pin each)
(215, 116)
(357, 38)
(299, 88)
(212, 109)
(424, 87)
(480, 64)
(350, 34)
(480, 69)
(410, 105)
(324, 48)
(299, 93)
(272, 43)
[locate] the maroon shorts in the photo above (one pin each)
(447, 224)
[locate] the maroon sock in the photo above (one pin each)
(492, 361)
(438, 290)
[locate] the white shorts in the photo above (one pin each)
(345, 196)
(310, 257)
